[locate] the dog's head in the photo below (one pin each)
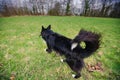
(46, 32)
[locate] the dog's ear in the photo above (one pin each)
(49, 27)
(43, 28)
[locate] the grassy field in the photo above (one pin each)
(22, 55)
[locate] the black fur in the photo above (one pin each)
(62, 45)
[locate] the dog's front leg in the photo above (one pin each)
(49, 49)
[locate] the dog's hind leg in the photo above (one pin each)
(77, 73)
(76, 66)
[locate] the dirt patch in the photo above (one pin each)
(95, 67)
(12, 77)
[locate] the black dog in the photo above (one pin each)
(70, 48)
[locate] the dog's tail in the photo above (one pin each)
(91, 40)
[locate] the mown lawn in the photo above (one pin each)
(22, 55)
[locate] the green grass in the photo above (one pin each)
(22, 50)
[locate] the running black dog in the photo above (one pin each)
(70, 48)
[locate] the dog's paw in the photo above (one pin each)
(76, 76)
(63, 60)
(49, 50)
(73, 75)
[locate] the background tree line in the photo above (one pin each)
(105, 8)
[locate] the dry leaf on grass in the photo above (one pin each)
(96, 67)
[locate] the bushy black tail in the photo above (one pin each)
(91, 39)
